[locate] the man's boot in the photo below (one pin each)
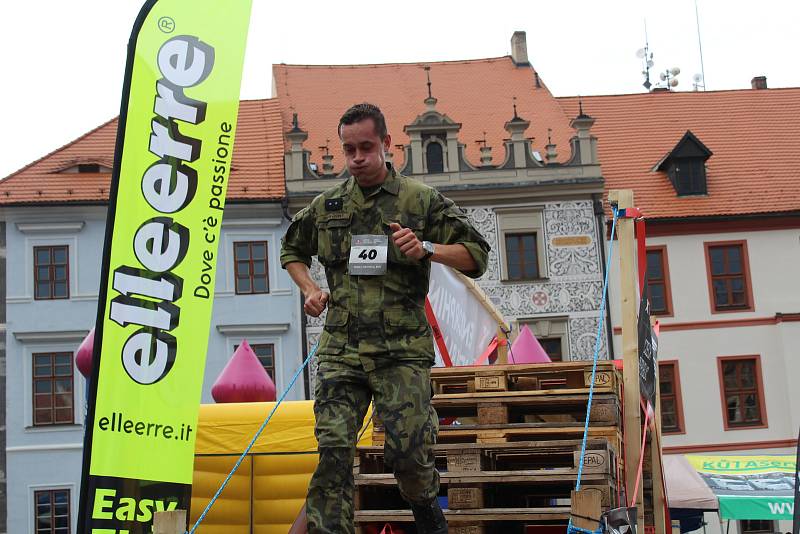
(429, 518)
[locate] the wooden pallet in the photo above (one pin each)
(508, 447)
(529, 377)
(517, 432)
(549, 457)
(540, 407)
(528, 489)
(521, 475)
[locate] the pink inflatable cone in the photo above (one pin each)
(83, 357)
(526, 349)
(243, 379)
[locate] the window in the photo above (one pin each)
(51, 514)
(742, 392)
(522, 241)
(51, 272)
(552, 346)
(434, 157)
(265, 352)
(551, 333)
(89, 167)
(252, 270)
(757, 526)
(658, 281)
(729, 279)
(521, 256)
(671, 404)
(685, 165)
(52, 388)
(690, 176)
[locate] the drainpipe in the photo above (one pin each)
(599, 215)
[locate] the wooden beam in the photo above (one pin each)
(585, 509)
(502, 348)
(172, 522)
(630, 347)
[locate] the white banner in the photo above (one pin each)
(467, 327)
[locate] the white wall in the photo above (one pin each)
(773, 259)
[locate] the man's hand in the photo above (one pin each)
(315, 302)
(407, 242)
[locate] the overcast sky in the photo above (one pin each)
(62, 62)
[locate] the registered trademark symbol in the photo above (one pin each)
(166, 24)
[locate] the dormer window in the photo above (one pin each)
(434, 157)
(689, 176)
(685, 166)
(88, 167)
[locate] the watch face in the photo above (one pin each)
(427, 246)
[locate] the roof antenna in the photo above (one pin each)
(702, 81)
(647, 57)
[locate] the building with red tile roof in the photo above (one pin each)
(521, 167)
(480, 94)
(755, 165)
(53, 222)
(717, 177)
(80, 171)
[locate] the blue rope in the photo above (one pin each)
(597, 347)
(253, 441)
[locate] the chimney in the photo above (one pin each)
(519, 49)
(759, 82)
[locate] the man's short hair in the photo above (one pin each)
(362, 111)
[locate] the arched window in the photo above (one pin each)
(434, 157)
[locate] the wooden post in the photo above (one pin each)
(630, 348)
(173, 522)
(585, 509)
(502, 348)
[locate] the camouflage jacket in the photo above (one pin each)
(378, 319)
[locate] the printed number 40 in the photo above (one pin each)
(370, 254)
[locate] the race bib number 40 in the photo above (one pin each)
(368, 255)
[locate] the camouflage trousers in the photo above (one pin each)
(402, 395)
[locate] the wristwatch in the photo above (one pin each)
(428, 247)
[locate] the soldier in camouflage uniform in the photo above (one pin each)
(376, 342)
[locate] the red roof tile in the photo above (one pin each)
(754, 136)
(257, 170)
(476, 93)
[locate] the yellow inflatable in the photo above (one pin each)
(269, 488)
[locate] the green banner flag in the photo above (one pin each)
(172, 162)
(756, 507)
(750, 487)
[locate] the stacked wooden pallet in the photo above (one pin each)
(508, 449)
